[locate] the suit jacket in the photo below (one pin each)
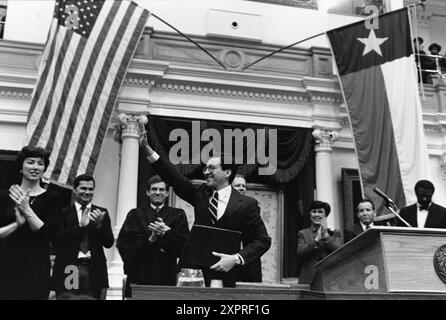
(353, 232)
(152, 263)
(242, 214)
(67, 244)
(436, 216)
(310, 252)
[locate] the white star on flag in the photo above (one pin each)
(372, 43)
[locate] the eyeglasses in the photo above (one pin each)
(209, 168)
(322, 211)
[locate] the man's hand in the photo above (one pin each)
(226, 263)
(143, 140)
(158, 227)
(96, 216)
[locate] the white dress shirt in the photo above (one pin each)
(79, 217)
(421, 216)
(223, 199)
(364, 226)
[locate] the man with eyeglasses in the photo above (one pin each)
(218, 205)
(316, 242)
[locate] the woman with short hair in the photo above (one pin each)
(28, 220)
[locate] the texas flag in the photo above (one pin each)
(378, 78)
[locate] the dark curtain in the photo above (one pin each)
(295, 173)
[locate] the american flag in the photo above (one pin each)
(88, 51)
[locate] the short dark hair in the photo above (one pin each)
(425, 184)
(83, 177)
(316, 204)
(366, 200)
(32, 152)
(155, 179)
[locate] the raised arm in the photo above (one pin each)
(181, 185)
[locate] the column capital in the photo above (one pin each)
(128, 126)
(324, 139)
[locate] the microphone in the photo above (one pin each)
(390, 205)
(383, 195)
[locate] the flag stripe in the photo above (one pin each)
(71, 63)
(41, 128)
(83, 89)
(115, 90)
(103, 89)
(38, 108)
(44, 67)
(79, 81)
(373, 133)
(407, 121)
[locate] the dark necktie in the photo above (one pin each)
(424, 207)
(84, 231)
(213, 205)
(157, 211)
(367, 227)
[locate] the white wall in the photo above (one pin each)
(280, 25)
(28, 20)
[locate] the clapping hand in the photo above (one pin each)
(18, 217)
(158, 227)
(20, 198)
(96, 216)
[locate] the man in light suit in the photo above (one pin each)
(366, 213)
(424, 213)
(316, 242)
(84, 230)
(219, 205)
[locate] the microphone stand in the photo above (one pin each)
(394, 213)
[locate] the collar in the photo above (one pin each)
(364, 226)
(154, 207)
(78, 206)
(225, 192)
(428, 206)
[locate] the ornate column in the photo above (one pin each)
(324, 176)
(128, 135)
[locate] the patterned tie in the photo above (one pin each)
(213, 205)
(84, 230)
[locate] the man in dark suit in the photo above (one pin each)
(151, 239)
(366, 213)
(218, 205)
(424, 213)
(84, 230)
(316, 242)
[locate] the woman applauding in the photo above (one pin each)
(28, 219)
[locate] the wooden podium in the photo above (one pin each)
(384, 260)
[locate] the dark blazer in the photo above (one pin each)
(67, 244)
(436, 216)
(353, 232)
(152, 263)
(242, 214)
(309, 252)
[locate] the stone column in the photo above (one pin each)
(324, 175)
(128, 136)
